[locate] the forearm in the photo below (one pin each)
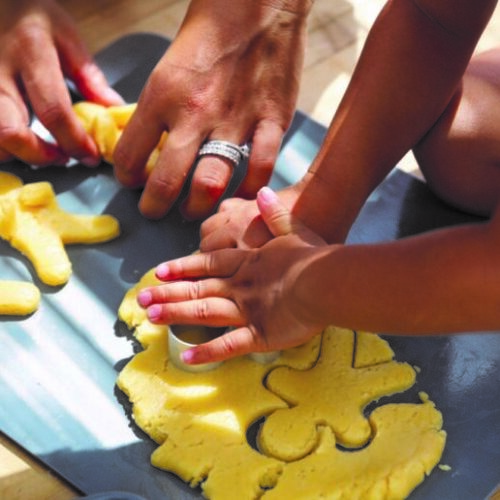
(444, 281)
(411, 64)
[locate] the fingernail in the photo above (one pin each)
(113, 96)
(154, 312)
(267, 195)
(145, 298)
(162, 271)
(187, 356)
(90, 161)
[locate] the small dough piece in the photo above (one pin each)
(105, 125)
(18, 298)
(33, 223)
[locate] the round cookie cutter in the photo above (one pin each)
(183, 337)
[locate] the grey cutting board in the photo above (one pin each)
(58, 367)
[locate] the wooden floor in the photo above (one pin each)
(337, 30)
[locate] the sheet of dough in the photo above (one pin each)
(311, 397)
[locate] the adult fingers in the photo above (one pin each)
(233, 343)
(139, 138)
(79, 66)
(18, 140)
(169, 174)
(47, 92)
(210, 179)
(77, 63)
(266, 143)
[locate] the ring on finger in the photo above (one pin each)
(225, 149)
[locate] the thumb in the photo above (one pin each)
(233, 343)
(278, 218)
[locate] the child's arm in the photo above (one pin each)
(412, 62)
(282, 294)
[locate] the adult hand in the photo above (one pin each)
(251, 290)
(232, 73)
(39, 47)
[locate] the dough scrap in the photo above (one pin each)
(18, 298)
(105, 125)
(200, 420)
(33, 223)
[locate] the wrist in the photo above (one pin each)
(311, 291)
(324, 208)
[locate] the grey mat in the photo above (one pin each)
(58, 367)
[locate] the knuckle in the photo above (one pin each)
(228, 344)
(52, 114)
(202, 310)
(162, 186)
(193, 290)
(211, 184)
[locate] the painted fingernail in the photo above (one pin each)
(154, 312)
(113, 96)
(187, 356)
(162, 271)
(267, 195)
(145, 298)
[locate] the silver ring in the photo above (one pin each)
(226, 149)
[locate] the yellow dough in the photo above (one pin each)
(18, 298)
(311, 397)
(105, 125)
(33, 223)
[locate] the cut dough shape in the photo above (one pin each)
(33, 223)
(407, 444)
(105, 125)
(200, 420)
(332, 393)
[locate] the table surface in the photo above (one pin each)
(22, 475)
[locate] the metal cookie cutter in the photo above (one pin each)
(183, 337)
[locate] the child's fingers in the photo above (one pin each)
(179, 291)
(212, 311)
(221, 263)
(233, 343)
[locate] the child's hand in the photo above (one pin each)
(250, 290)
